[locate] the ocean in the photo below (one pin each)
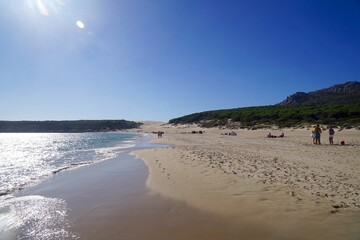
(28, 158)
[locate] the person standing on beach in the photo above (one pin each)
(313, 135)
(317, 135)
(331, 136)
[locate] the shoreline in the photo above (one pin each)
(65, 167)
(287, 179)
(110, 198)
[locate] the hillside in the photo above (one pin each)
(67, 126)
(338, 94)
(338, 105)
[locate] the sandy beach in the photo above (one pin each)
(215, 186)
(285, 184)
(110, 200)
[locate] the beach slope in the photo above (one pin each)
(286, 183)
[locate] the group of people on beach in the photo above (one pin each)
(316, 134)
(273, 136)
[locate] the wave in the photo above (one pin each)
(72, 165)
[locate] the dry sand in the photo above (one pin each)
(286, 184)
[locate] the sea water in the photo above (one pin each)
(29, 158)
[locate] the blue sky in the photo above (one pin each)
(161, 59)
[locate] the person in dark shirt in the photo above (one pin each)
(317, 134)
(331, 136)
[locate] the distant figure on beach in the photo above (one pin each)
(271, 136)
(160, 134)
(331, 136)
(232, 133)
(317, 134)
(312, 135)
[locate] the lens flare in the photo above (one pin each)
(80, 24)
(42, 8)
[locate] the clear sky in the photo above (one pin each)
(161, 59)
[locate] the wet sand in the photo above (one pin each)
(110, 200)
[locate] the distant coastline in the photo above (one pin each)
(76, 126)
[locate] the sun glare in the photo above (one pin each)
(80, 24)
(45, 7)
(42, 9)
(49, 8)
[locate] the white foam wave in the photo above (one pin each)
(111, 152)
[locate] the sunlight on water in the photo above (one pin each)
(27, 158)
(34, 217)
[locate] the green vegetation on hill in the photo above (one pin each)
(283, 116)
(67, 126)
(338, 105)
